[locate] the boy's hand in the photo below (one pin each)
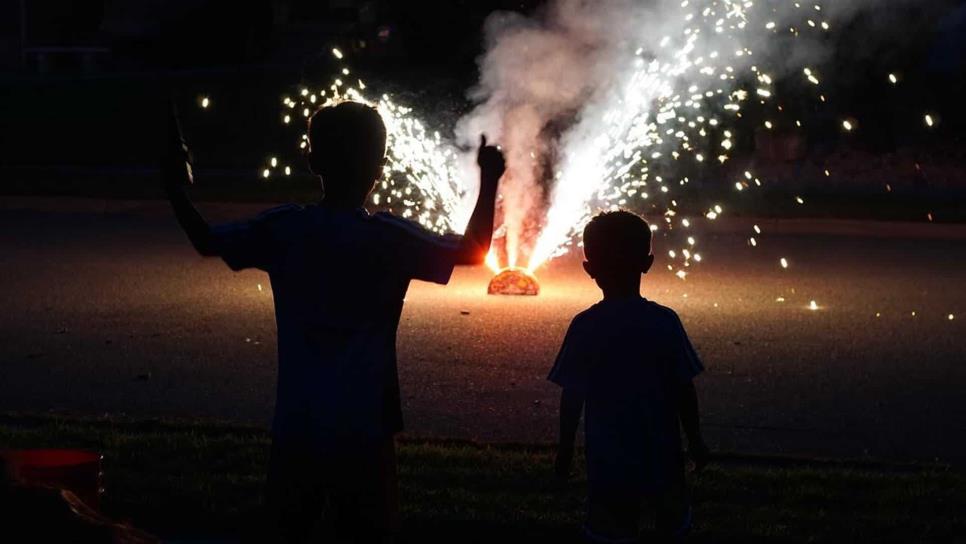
(176, 160)
(564, 463)
(491, 162)
(699, 454)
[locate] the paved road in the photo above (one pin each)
(106, 309)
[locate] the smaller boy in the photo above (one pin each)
(628, 364)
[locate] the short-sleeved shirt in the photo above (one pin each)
(629, 358)
(339, 278)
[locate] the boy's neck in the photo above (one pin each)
(340, 204)
(347, 199)
(622, 292)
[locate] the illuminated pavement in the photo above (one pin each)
(111, 312)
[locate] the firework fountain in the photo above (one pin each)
(599, 105)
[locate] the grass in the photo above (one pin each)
(203, 479)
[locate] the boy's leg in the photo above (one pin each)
(295, 496)
(366, 503)
(673, 510)
(349, 496)
(613, 517)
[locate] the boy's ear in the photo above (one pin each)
(647, 264)
(380, 168)
(589, 268)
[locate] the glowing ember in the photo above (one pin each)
(514, 281)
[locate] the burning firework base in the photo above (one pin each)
(514, 281)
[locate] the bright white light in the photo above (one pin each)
(657, 109)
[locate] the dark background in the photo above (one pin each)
(86, 82)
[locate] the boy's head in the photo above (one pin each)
(347, 148)
(617, 249)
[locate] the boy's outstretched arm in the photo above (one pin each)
(479, 231)
(691, 422)
(571, 406)
(176, 175)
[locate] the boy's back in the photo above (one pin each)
(339, 278)
(628, 357)
(628, 365)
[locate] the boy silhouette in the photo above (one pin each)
(627, 363)
(339, 277)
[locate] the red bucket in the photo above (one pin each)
(78, 471)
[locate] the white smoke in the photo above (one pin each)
(590, 85)
(537, 71)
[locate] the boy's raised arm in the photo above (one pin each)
(176, 175)
(479, 231)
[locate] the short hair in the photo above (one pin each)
(616, 237)
(349, 132)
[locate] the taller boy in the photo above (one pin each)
(339, 277)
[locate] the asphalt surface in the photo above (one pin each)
(107, 309)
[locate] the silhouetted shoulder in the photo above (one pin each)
(279, 212)
(663, 314)
(252, 243)
(273, 218)
(415, 251)
(585, 317)
(687, 362)
(410, 228)
(571, 369)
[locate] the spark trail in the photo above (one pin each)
(650, 94)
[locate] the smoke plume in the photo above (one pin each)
(562, 89)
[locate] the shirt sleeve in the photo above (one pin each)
(571, 370)
(251, 243)
(418, 253)
(684, 358)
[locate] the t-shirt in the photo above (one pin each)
(339, 278)
(629, 358)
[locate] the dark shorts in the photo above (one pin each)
(613, 515)
(349, 495)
